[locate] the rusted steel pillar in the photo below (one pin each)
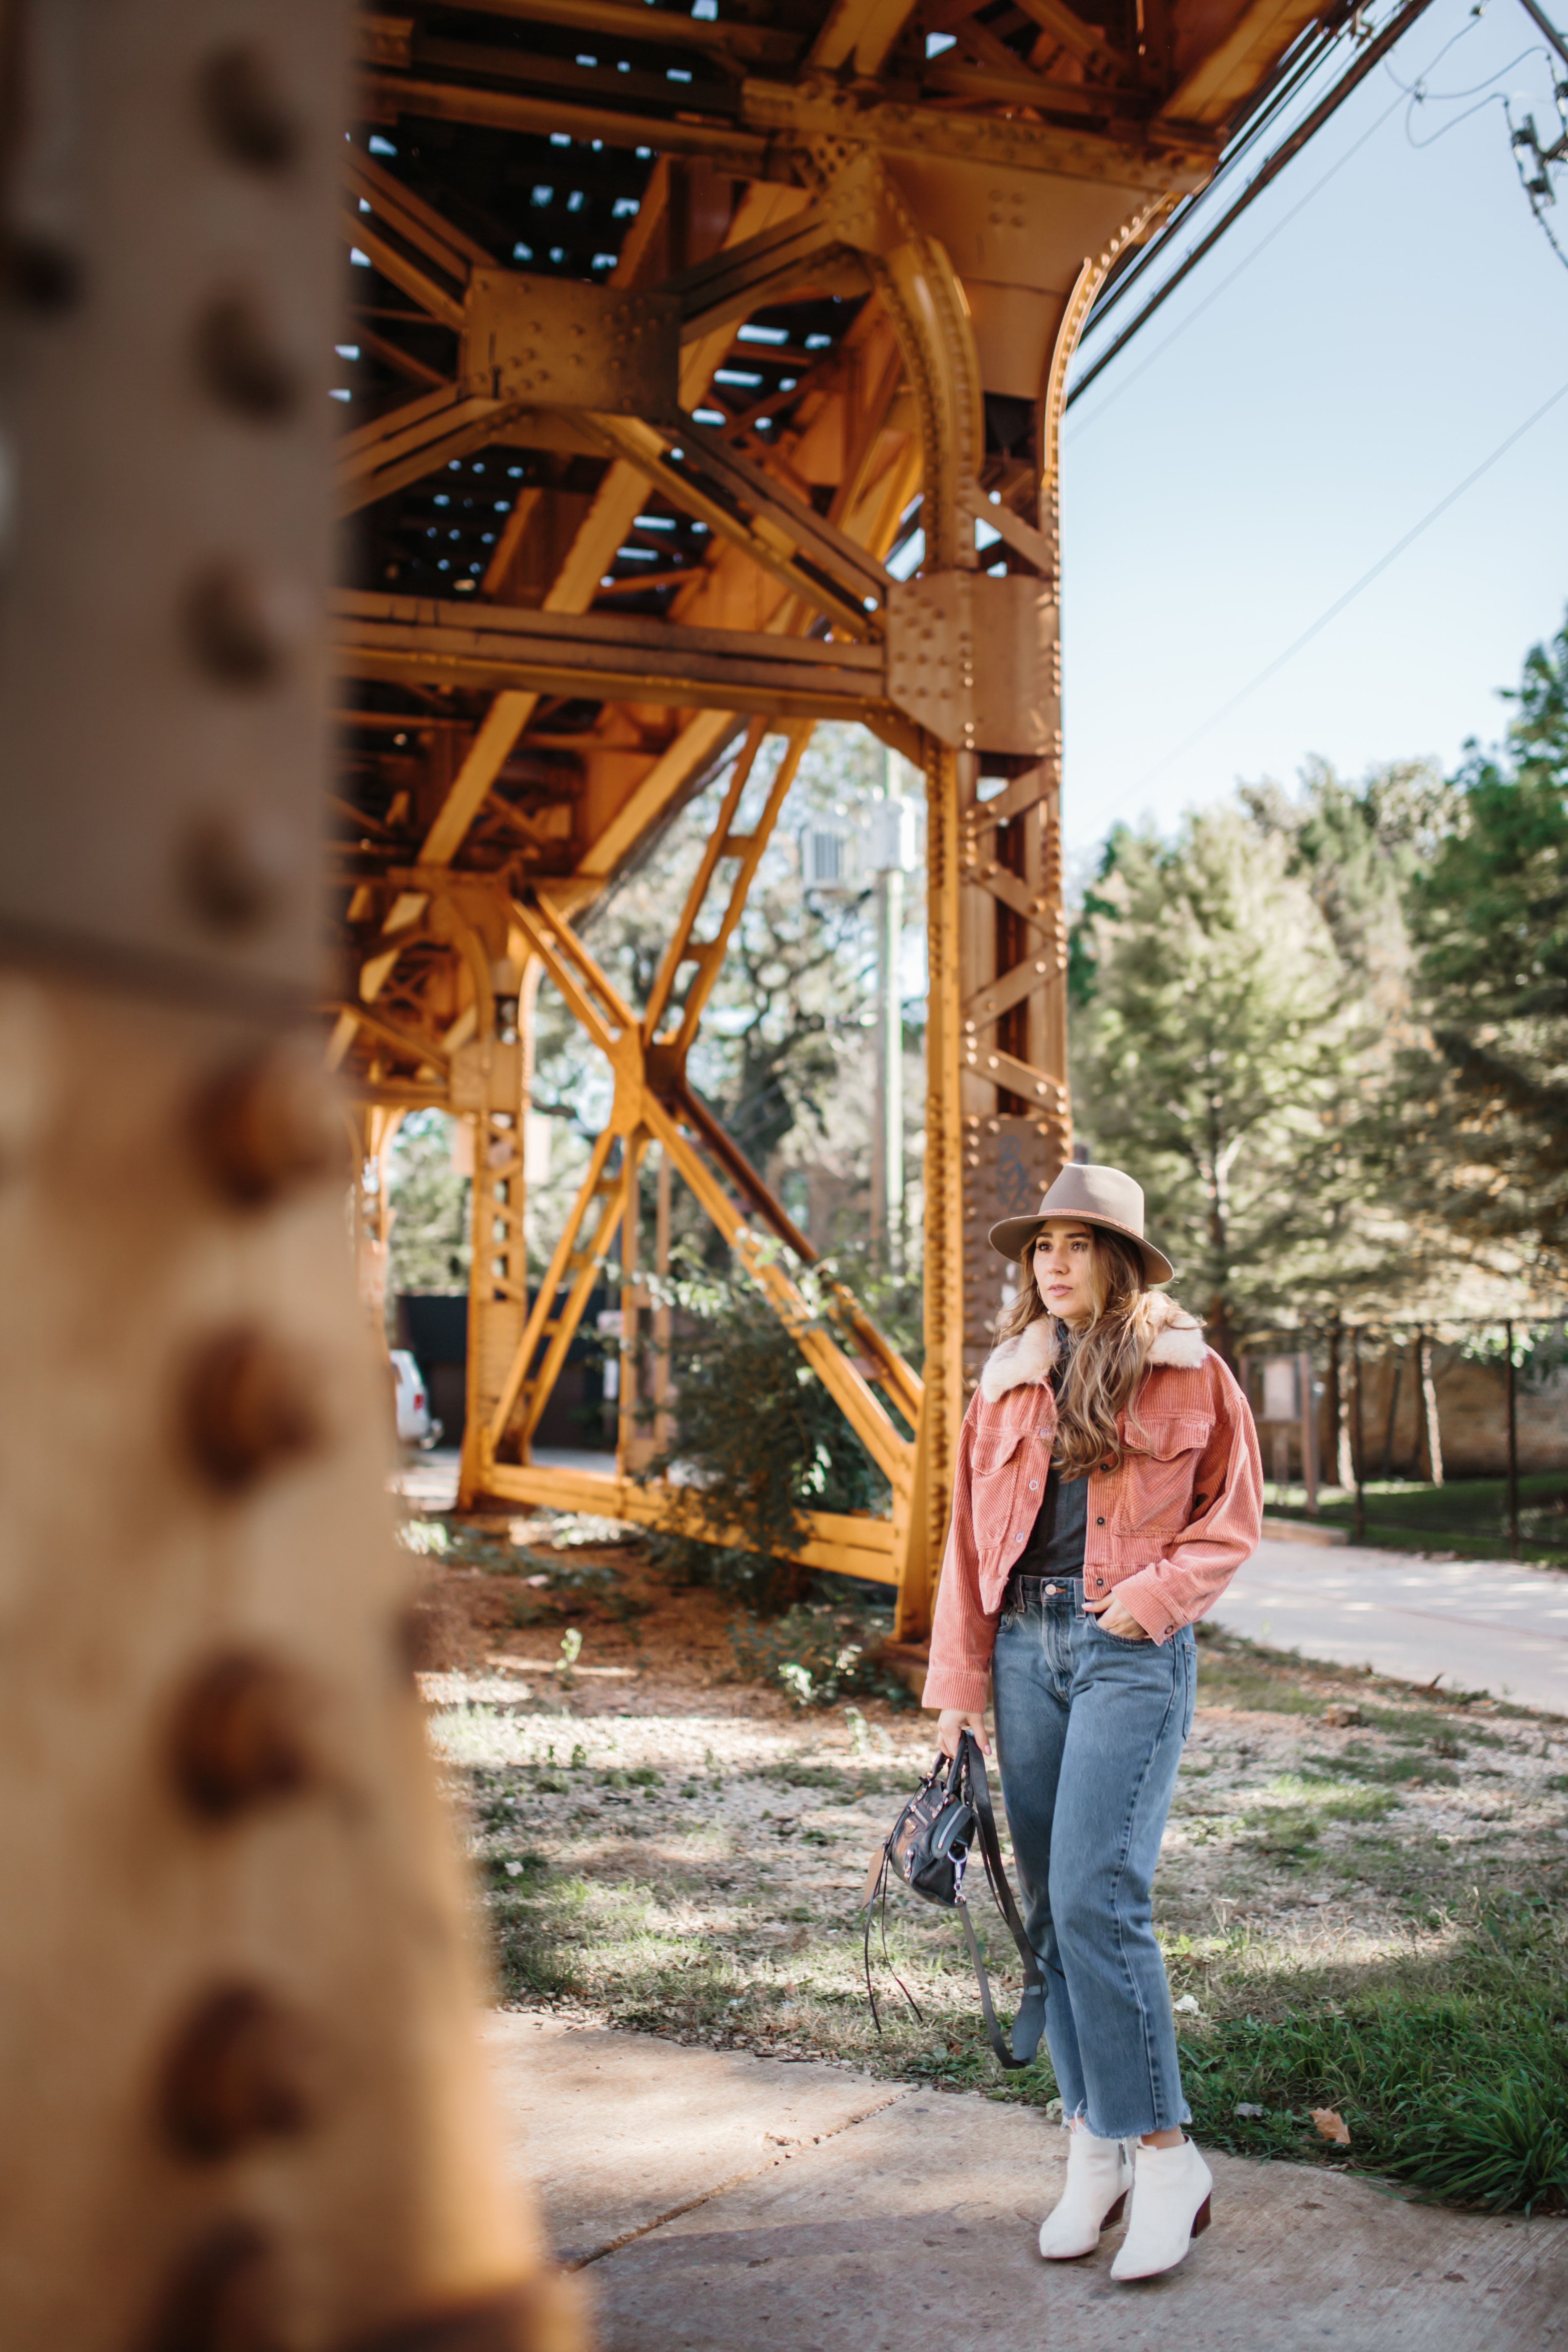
(243, 2100)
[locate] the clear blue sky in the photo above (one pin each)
(1218, 495)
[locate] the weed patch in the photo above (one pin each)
(1460, 2103)
(816, 1655)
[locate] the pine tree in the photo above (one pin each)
(1216, 1061)
(1485, 1112)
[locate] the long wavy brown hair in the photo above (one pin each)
(1103, 1365)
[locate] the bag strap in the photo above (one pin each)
(877, 1886)
(966, 1777)
(1029, 2022)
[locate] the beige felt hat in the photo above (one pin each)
(1095, 1196)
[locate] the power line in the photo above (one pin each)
(1547, 26)
(1268, 171)
(1412, 94)
(1297, 69)
(1216, 291)
(1338, 607)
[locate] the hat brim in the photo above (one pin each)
(1014, 1236)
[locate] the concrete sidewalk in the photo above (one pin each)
(1483, 1625)
(718, 2201)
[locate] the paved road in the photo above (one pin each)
(1480, 1625)
(429, 1481)
(1483, 1625)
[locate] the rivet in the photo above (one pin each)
(41, 273)
(226, 2295)
(236, 866)
(265, 1125)
(240, 361)
(241, 1734)
(252, 1402)
(247, 111)
(240, 629)
(239, 2071)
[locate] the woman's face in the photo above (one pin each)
(1064, 1276)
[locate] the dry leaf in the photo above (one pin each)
(1332, 2125)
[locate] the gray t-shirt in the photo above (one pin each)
(1056, 1545)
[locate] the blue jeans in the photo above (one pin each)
(1090, 1732)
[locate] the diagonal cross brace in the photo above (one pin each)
(597, 1005)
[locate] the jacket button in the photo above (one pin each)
(1033, 1484)
(1099, 1523)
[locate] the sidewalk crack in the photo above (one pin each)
(722, 2187)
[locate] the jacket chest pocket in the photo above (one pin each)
(995, 1451)
(1166, 1437)
(1162, 1453)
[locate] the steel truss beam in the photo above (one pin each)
(1137, 155)
(980, 239)
(404, 641)
(645, 1067)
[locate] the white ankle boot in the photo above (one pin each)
(1170, 2208)
(1099, 2178)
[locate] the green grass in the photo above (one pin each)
(1298, 1806)
(1238, 1674)
(1466, 1515)
(1450, 2073)
(1450, 2070)
(1356, 1761)
(847, 1781)
(1436, 2025)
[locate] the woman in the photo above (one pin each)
(1108, 1488)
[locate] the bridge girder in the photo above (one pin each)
(923, 236)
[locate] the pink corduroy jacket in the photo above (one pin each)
(1168, 1528)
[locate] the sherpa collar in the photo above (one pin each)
(1029, 1356)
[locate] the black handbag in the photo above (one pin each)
(928, 1847)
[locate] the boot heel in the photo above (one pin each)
(1202, 2218)
(1115, 2213)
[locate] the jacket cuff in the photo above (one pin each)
(968, 1687)
(1141, 1596)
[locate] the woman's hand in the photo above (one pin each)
(954, 1719)
(1116, 1619)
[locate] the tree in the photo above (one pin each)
(759, 1440)
(1358, 848)
(1216, 1061)
(430, 1238)
(1486, 1122)
(784, 1053)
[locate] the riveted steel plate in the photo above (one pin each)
(164, 554)
(570, 346)
(1008, 1165)
(974, 660)
(487, 1077)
